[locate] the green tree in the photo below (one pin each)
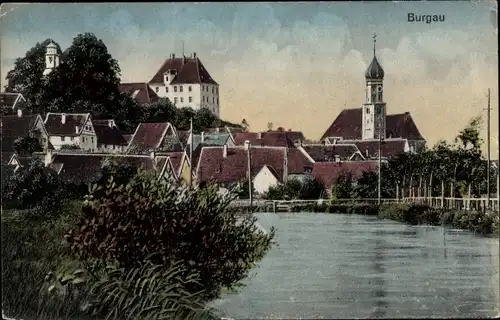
(343, 187)
(27, 145)
(296, 189)
(151, 220)
(27, 75)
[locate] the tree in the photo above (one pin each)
(242, 189)
(27, 75)
(27, 145)
(307, 189)
(70, 147)
(156, 221)
(343, 187)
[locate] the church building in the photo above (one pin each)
(367, 126)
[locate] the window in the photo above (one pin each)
(91, 139)
(175, 88)
(72, 138)
(166, 78)
(217, 90)
(175, 100)
(83, 139)
(190, 99)
(182, 99)
(63, 138)
(190, 88)
(157, 89)
(181, 88)
(368, 110)
(43, 140)
(217, 100)
(213, 90)
(166, 89)
(213, 99)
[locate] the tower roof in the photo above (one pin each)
(51, 45)
(374, 70)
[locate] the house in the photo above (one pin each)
(229, 165)
(13, 127)
(154, 136)
(181, 166)
(186, 82)
(329, 153)
(388, 147)
(371, 121)
(109, 138)
(17, 161)
(73, 129)
(268, 138)
(12, 101)
(139, 91)
(328, 173)
(82, 168)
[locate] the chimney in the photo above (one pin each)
(247, 144)
(337, 158)
(77, 129)
(194, 55)
(202, 137)
(224, 151)
(110, 123)
(152, 154)
(323, 142)
(217, 129)
(366, 153)
(63, 118)
(19, 113)
(48, 157)
(173, 55)
(259, 135)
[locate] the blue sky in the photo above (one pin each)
(294, 64)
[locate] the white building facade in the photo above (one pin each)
(186, 83)
(73, 129)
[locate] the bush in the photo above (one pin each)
(148, 292)
(296, 189)
(157, 221)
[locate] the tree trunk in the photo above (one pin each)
(397, 191)
(468, 196)
(411, 186)
(403, 194)
(420, 188)
(442, 193)
(430, 186)
(425, 191)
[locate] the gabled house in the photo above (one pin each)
(139, 91)
(13, 127)
(74, 129)
(328, 173)
(181, 166)
(229, 165)
(12, 101)
(109, 138)
(154, 136)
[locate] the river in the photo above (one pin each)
(328, 266)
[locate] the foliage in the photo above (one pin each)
(27, 145)
(70, 147)
(343, 187)
(296, 189)
(34, 186)
(31, 249)
(148, 292)
(154, 220)
(242, 189)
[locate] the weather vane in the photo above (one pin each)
(374, 41)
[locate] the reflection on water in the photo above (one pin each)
(349, 266)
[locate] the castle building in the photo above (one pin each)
(365, 126)
(187, 83)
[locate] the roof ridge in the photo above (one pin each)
(197, 69)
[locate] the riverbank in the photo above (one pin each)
(481, 223)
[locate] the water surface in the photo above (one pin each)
(351, 266)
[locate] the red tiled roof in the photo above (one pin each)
(189, 70)
(348, 125)
(183, 136)
(127, 137)
(327, 173)
(54, 126)
(322, 153)
(269, 138)
(14, 127)
(108, 135)
(214, 166)
(149, 135)
(389, 147)
(175, 160)
(144, 94)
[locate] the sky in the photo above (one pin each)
(295, 65)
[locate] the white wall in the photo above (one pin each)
(87, 140)
(264, 180)
(109, 148)
(202, 95)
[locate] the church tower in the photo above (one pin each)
(374, 109)
(51, 58)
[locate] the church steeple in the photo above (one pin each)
(374, 109)
(51, 58)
